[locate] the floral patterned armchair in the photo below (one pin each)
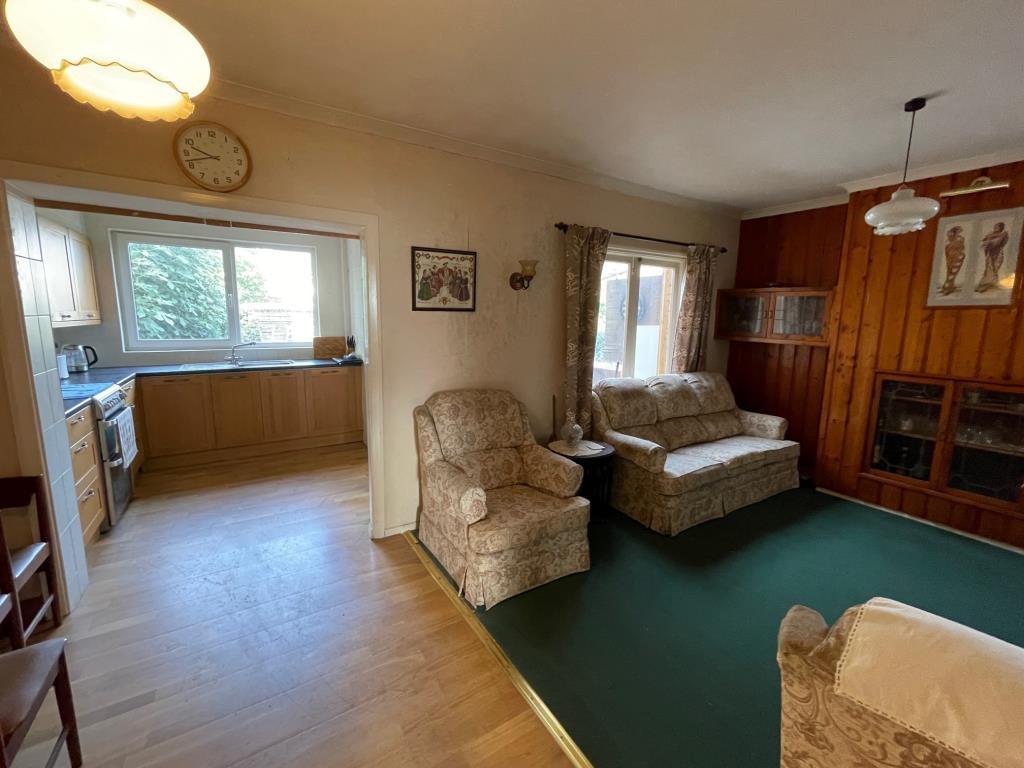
(497, 510)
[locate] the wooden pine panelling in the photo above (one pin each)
(794, 249)
(882, 323)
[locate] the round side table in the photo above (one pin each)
(597, 471)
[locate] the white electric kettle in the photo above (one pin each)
(78, 356)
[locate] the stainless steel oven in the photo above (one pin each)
(117, 451)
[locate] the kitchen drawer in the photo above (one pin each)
(79, 425)
(131, 390)
(91, 510)
(82, 485)
(85, 455)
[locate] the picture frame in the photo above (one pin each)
(443, 280)
(976, 262)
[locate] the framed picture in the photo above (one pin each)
(443, 280)
(976, 259)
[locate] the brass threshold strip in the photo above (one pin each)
(546, 716)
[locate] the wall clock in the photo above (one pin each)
(212, 156)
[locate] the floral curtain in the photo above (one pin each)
(585, 250)
(690, 353)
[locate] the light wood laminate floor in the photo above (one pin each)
(241, 616)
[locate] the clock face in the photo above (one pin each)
(212, 156)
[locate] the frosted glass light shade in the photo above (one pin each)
(902, 213)
(121, 55)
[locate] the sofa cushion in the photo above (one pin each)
(470, 420)
(742, 453)
(721, 424)
(627, 402)
(650, 432)
(495, 468)
(674, 396)
(685, 430)
(518, 516)
(688, 472)
(712, 391)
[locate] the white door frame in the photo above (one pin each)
(71, 186)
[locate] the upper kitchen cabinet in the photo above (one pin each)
(774, 315)
(70, 277)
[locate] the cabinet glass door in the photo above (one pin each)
(909, 416)
(988, 444)
(742, 314)
(799, 315)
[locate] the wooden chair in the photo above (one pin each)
(27, 675)
(18, 566)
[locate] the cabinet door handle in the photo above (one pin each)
(78, 419)
(65, 315)
(81, 448)
(88, 494)
(236, 377)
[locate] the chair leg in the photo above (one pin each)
(66, 706)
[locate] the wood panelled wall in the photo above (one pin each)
(795, 249)
(880, 323)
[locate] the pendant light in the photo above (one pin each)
(903, 212)
(126, 56)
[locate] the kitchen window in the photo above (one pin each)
(179, 293)
(637, 314)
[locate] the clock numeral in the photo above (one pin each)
(216, 180)
(212, 134)
(199, 134)
(239, 161)
(202, 175)
(236, 150)
(190, 142)
(191, 164)
(238, 173)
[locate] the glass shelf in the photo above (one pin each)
(988, 444)
(907, 429)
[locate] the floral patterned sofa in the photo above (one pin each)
(892, 686)
(685, 453)
(497, 510)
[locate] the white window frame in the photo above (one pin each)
(131, 342)
(634, 259)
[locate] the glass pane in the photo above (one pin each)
(908, 423)
(988, 452)
(178, 292)
(743, 315)
(799, 315)
(276, 294)
(653, 320)
(611, 321)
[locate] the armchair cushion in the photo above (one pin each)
(721, 424)
(519, 516)
(644, 453)
(547, 471)
(495, 468)
(455, 491)
(762, 425)
(627, 402)
(470, 420)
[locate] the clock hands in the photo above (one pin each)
(200, 159)
(208, 155)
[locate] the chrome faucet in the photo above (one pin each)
(234, 358)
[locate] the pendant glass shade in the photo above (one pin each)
(121, 55)
(902, 213)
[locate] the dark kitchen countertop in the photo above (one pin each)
(122, 374)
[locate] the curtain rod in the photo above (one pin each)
(565, 228)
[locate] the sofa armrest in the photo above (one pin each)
(455, 491)
(763, 425)
(643, 453)
(802, 630)
(547, 471)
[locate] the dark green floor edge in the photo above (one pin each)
(663, 654)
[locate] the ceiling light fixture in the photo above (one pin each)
(126, 56)
(903, 212)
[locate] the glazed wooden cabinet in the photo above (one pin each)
(962, 439)
(774, 315)
(178, 414)
(334, 400)
(284, 404)
(237, 409)
(70, 277)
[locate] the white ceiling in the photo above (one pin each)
(750, 103)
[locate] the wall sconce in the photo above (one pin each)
(521, 280)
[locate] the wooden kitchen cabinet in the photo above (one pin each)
(237, 409)
(178, 414)
(334, 400)
(70, 277)
(774, 315)
(283, 395)
(86, 470)
(131, 390)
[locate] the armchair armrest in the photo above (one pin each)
(547, 471)
(455, 491)
(802, 630)
(763, 425)
(643, 453)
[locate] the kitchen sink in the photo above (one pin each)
(265, 363)
(232, 366)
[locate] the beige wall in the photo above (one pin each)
(422, 197)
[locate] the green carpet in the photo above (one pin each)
(663, 654)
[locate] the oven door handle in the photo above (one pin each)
(115, 463)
